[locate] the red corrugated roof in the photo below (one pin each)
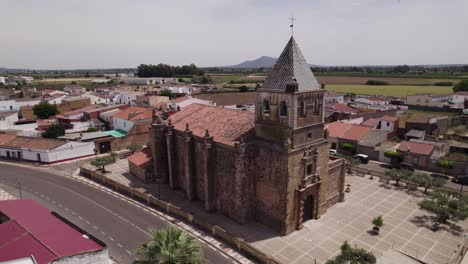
(130, 112)
(5, 138)
(415, 147)
(342, 108)
(39, 233)
(141, 158)
(225, 125)
(371, 123)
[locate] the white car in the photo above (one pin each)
(332, 152)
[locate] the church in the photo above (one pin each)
(271, 166)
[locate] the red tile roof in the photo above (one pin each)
(356, 132)
(389, 118)
(141, 158)
(373, 122)
(415, 147)
(5, 138)
(342, 108)
(34, 231)
(337, 129)
(131, 112)
(225, 125)
(180, 99)
(33, 143)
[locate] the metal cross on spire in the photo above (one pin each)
(292, 25)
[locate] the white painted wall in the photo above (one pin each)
(122, 124)
(2, 79)
(189, 102)
(386, 125)
(12, 105)
(8, 121)
(128, 97)
(101, 257)
(79, 127)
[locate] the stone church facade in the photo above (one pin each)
(272, 166)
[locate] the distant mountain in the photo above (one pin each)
(262, 62)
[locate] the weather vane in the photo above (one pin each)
(292, 25)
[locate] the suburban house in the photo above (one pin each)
(8, 119)
(386, 123)
(141, 164)
(74, 89)
(128, 97)
(150, 100)
(459, 97)
(33, 234)
(436, 100)
(43, 150)
(74, 121)
(339, 111)
(416, 154)
(181, 102)
(333, 98)
(16, 104)
(434, 127)
(126, 119)
(372, 101)
(73, 103)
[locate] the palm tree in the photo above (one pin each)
(171, 246)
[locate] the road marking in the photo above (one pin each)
(95, 227)
(81, 218)
(103, 233)
(111, 238)
(128, 252)
(67, 209)
(73, 213)
(88, 222)
(118, 244)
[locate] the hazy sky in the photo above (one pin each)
(70, 34)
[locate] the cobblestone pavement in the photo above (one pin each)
(4, 195)
(406, 229)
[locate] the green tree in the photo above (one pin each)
(205, 80)
(395, 156)
(44, 110)
(426, 181)
(243, 89)
(134, 147)
(377, 222)
(350, 255)
(54, 131)
(171, 246)
(92, 129)
(444, 165)
(398, 175)
(102, 162)
(165, 93)
(446, 206)
(461, 86)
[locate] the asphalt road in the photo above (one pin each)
(123, 226)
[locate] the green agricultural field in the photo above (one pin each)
(224, 78)
(389, 90)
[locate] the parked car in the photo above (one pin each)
(332, 152)
(364, 159)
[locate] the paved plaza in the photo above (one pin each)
(405, 235)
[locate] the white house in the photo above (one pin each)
(14, 105)
(128, 97)
(8, 119)
(181, 102)
(125, 119)
(97, 99)
(372, 101)
(179, 90)
(459, 97)
(2, 80)
(333, 98)
(43, 149)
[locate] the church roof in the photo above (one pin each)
(291, 64)
(224, 125)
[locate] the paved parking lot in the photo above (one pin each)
(405, 231)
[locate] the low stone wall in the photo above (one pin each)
(216, 231)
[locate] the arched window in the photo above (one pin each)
(302, 107)
(266, 107)
(283, 111)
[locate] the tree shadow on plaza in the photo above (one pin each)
(427, 221)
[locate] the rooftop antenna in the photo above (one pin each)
(292, 25)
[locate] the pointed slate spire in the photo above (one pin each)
(291, 65)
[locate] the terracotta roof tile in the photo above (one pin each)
(337, 129)
(356, 132)
(341, 108)
(373, 122)
(224, 125)
(34, 143)
(5, 138)
(141, 158)
(389, 118)
(414, 147)
(129, 113)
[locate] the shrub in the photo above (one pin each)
(243, 89)
(461, 86)
(347, 146)
(377, 82)
(443, 84)
(394, 155)
(54, 131)
(378, 221)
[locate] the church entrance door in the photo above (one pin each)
(307, 214)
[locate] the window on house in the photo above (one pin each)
(316, 106)
(303, 109)
(388, 123)
(309, 135)
(309, 169)
(266, 107)
(283, 109)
